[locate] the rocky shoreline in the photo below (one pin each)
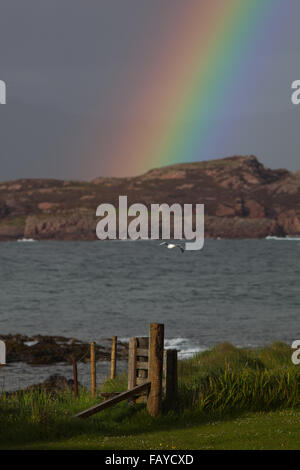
(46, 350)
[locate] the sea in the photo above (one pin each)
(246, 292)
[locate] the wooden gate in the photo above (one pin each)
(138, 363)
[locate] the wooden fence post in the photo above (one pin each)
(113, 359)
(170, 381)
(156, 349)
(132, 363)
(75, 387)
(93, 370)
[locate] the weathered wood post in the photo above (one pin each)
(132, 363)
(132, 367)
(93, 370)
(113, 358)
(170, 380)
(156, 350)
(75, 386)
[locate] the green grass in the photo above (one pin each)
(229, 398)
(252, 431)
(227, 378)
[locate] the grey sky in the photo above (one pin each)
(64, 60)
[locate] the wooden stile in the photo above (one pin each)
(152, 374)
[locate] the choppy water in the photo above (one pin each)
(243, 291)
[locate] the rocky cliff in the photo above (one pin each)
(242, 198)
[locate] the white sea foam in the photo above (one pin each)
(26, 240)
(283, 238)
(186, 347)
(30, 343)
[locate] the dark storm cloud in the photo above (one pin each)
(64, 62)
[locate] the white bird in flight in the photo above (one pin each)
(173, 245)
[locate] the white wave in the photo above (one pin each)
(187, 353)
(173, 342)
(124, 340)
(26, 240)
(30, 343)
(186, 348)
(269, 237)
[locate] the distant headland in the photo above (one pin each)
(242, 198)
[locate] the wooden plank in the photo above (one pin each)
(156, 350)
(113, 401)
(142, 352)
(141, 380)
(142, 365)
(142, 374)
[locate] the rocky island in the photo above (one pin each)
(243, 199)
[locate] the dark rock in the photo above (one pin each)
(54, 384)
(45, 350)
(57, 382)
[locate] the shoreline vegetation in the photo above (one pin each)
(228, 398)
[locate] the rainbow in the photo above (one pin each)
(194, 73)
